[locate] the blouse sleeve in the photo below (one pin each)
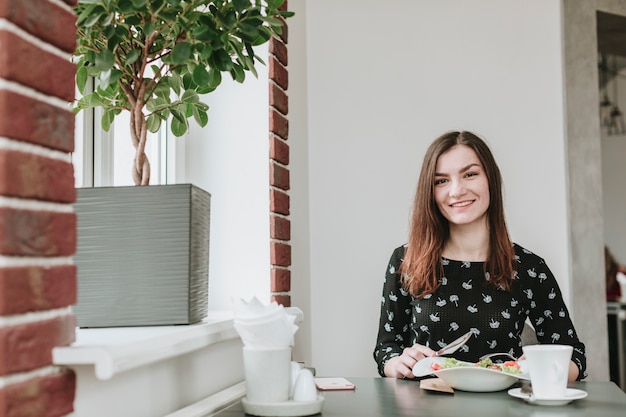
(394, 330)
(549, 314)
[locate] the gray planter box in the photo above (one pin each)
(142, 256)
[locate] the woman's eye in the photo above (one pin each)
(440, 181)
(471, 174)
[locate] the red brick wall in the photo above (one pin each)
(37, 222)
(280, 226)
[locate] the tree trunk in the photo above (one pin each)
(139, 134)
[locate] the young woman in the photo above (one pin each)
(460, 272)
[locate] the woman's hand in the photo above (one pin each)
(402, 366)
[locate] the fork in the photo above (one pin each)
(490, 355)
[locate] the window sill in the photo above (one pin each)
(117, 349)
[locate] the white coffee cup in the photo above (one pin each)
(267, 373)
(548, 366)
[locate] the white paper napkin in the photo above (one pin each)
(264, 326)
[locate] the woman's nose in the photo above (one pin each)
(457, 189)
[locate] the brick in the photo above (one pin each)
(37, 233)
(278, 99)
(279, 176)
(280, 228)
(36, 288)
(52, 74)
(43, 19)
(282, 299)
(279, 50)
(28, 346)
(33, 121)
(46, 396)
(280, 254)
(279, 202)
(279, 124)
(280, 280)
(279, 75)
(279, 150)
(33, 176)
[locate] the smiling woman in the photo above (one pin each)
(461, 272)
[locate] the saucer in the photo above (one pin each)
(280, 409)
(570, 395)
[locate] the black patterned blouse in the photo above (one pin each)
(465, 301)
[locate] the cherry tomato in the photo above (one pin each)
(512, 364)
(435, 366)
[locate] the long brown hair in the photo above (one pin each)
(422, 268)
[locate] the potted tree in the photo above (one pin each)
(155, 59)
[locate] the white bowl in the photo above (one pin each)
(469, 378)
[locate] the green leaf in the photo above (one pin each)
(202, 106)
(115, 76)
(200, 116)
(156, 104)
(249, 32)
(206, 52)
(238, 73)
(108, 19)
(181, 53)
(132, 57)
(215, 78)
(190, 96)
(204, 33)
(241, 5)
(154, 123)
(200, 75)
(274, 22)
(103, 79)
(175, 82)
(107, 119)
(178, 115)
(90, 16)
(265, 34)
(275, 4)
(81, 79)
(126, 6)
(148, 28)
(162, 90)
(138, 4)
(222, 60)
(105, 60)
(92, 100)
(178, 128)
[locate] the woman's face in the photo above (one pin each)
(461, 187)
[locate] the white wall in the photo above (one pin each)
(381, 83)
(370, 87)
(229, 159)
